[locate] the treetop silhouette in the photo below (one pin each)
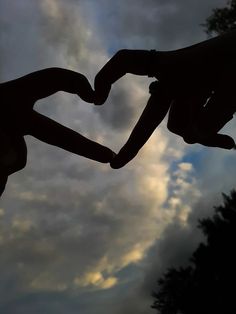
(206, 285)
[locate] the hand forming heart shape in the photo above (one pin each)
(18, 118)
(195, 84)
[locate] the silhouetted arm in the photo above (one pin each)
(46, 82)
(153, 114)
(13, 153)
(13, 156)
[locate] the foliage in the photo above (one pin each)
(222, 19)
(207, 285)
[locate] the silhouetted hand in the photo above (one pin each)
(196, 85)
(17, 119)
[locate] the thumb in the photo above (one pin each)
(124, 156)
(84, 89)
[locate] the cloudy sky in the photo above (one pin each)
(75, 235)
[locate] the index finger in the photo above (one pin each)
(53, 133)
(153, 114)
(138, 62)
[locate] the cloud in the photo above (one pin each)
(95, 279)
(2, 212)
(159, 24)
(76, 235)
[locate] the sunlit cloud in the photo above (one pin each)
(95, 279)
(2, 212)
(21, 225)
(45, 282)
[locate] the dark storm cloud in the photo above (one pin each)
(172, 250)
(157, 24)
(178, 243)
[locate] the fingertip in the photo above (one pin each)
(110, 155)
(233, 146)
(115, 166)
(229, 143)
(85, 91)
(99, 99)
(86, 98)
(113, 163)
(101, 94)
(98, 103)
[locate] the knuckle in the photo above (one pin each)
(176, 129)
(121, 55)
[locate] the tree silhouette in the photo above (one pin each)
(222, 19)
(207, 285)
